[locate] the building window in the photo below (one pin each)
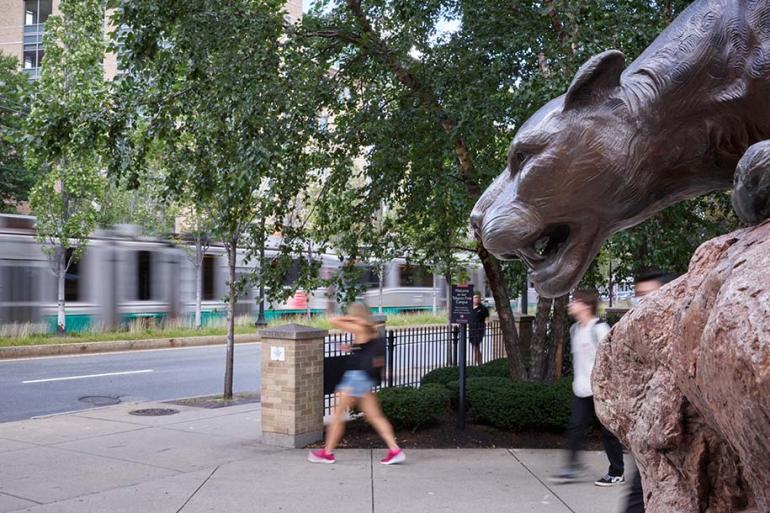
(35, 14)
(415, 276)
(144, 275)
(207, 285)
(72, 280)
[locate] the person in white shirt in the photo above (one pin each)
(585, 336)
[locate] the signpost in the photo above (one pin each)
(462, 305)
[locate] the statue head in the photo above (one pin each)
(561, 193)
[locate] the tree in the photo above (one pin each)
(67, 133)
(16, 180)
(430, 94)
(218, 82)
(198, 232)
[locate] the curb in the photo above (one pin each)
(8, 353)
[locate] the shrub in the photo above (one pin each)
(446, 375)
(517, 405)
(412, 408)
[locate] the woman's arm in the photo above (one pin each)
(354, 325)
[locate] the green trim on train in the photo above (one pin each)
(75, 323)
(79, 323)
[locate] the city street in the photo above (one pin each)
(42, 386)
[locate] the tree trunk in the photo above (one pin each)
(538, 347)
(505, 313)
(559, 331)
(198, 281)
(61, 274)
(231, 247)
(382, 284)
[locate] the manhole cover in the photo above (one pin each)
(100, 400)
(153, 412)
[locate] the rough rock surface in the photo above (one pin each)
(684, 381)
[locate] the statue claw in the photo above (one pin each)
(751, 193)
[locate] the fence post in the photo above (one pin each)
(391, 351)
(461, 398)
(455, 335)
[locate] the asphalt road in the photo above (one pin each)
(42, 386)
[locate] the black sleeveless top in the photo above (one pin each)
(369, 357)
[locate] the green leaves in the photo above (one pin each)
(67, 128)
(15, 92)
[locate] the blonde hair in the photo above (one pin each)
(361, 311)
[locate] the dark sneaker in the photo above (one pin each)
(321, 456)
(567, 475)
(609, 480)
(393, 457)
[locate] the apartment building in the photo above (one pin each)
(22, 24)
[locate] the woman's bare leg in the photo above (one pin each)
(337, 427)
(371, 408)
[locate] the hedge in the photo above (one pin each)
(446, 375)
(412, 408)
(516, 405)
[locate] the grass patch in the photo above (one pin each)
(244, 325)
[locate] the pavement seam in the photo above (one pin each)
(510, 451)
(74, 451)
(21, 498)
(54, 444)
(371, 474)
(198, 489)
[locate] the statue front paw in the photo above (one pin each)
(751, 192)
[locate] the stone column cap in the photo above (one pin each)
(292, 332)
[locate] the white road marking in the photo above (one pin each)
(68, 378)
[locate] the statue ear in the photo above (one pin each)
(595, 79)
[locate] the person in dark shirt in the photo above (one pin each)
(645, 283)
(477, 326)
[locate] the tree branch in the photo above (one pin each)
(375, 44)
(334, 34)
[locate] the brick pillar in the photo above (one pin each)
(292, 385)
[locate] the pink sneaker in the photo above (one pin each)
(394, 457)
(321, 456)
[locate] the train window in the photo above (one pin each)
(369, 277)
(292, 274)
(207, 284)
(415, 276)
(144, 275)
(72, 280)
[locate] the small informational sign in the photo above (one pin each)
(277, 354)
(462, 303)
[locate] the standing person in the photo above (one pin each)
(364, 372)
(477, 326)
(645, 283)
(585, 336)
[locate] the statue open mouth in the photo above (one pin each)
(546, 247)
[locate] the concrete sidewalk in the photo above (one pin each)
(211, 460)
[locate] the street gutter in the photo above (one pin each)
(75, 348)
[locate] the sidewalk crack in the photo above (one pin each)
(510, 451)
(20, 497)
(371, 474)
(198, 489)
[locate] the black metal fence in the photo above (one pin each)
(411, 353)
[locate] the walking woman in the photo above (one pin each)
(364, 372)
